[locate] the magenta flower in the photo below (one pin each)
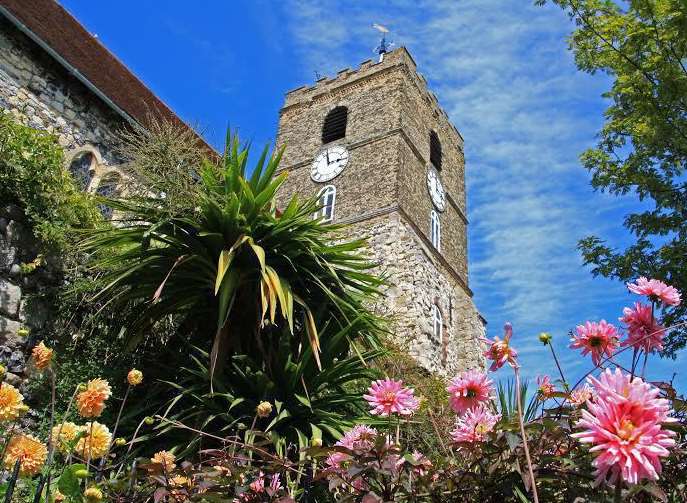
(499, 351)
(258, 485)
(390, 397)
(624, 425)
(643, 331)
(469, 389)
(599, 339)
(656, 290)
(474, 425)
(545, 387)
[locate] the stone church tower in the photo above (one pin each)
(381, 153)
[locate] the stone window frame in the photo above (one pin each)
(335, 124)
(326, 212)
(435, 229)
(99, 169)
(438, 321)
(96, 163)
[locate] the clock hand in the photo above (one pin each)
(327, 154)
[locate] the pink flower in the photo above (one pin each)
(580, 396)
(360, 438)
(474, 426)
(499, 350)
(275, 485)
(422, 463)
(656, 290)
(624, 425)
(469, 389)
(258, 485)
(599, 339)
(545, 386)
(643, 331)
(390, 397)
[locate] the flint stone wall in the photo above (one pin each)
(41, 94)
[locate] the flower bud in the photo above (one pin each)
(149, 420)
(120, 442)
(241, 426)
(264, 409)
(23, 332)
(134, 377)
(93, 495)
(3, 371)
(316, 442)
(545, 338)
(22, 409)
(81, 474)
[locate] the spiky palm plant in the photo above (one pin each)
(261, 290)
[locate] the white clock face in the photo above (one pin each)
(436, 190)
(329, 164)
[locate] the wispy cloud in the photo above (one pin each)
(501, 71)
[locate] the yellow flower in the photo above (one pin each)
(91, 401)
(42, 355)
(93, 494)
(96, 442)
(11, 402)
(67, 434)
(164, 459)
(134, 377)
(29, 451)
(180, 481)
(264, 409)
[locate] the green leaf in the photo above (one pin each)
(69, 484)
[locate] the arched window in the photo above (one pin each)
(82, 169)
(435, 229)
(437, 323)
(335, 124)
(434, 150)
(327, 199)
(108, 187)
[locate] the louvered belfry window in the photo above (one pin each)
(434, 150)
(335, 125)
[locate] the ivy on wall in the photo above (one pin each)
(33, 177)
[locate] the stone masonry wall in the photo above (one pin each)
(41, 94)
(417, 281)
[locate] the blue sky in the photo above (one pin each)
(501, 70)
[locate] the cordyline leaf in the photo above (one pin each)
(225, 258)
(158, 292)
(259, 252)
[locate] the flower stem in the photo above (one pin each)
(618, 491)
(555, 359)
(114, 432)
(518, 399)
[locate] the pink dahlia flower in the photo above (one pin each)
(599, 339)
(360, 438)
(656, 290)
(469, 389)
(474, 425)
(643, 331)
(545, 387)
(499, 351)
(390, 397)
(580, 396)
(624, 424)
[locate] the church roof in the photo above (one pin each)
(67, 41)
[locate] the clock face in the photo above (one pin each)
(329, 163)
(436, 190)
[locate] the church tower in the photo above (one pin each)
(384, 158)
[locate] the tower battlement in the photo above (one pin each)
(397, 60)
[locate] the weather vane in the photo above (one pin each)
(383, 46)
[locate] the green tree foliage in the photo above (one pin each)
(33, 176)
(277, 299)
(642, 148)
